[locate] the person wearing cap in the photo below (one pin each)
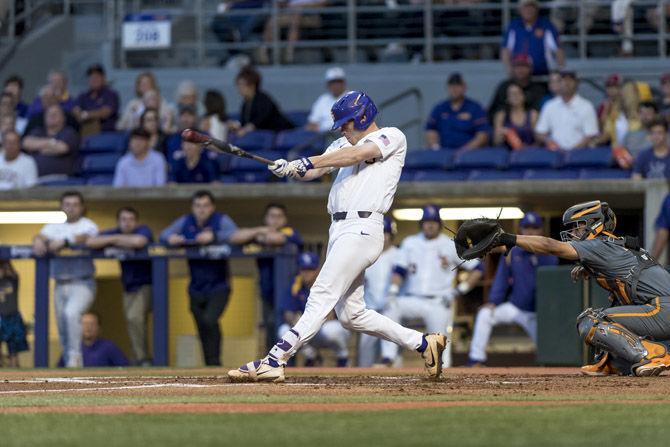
(611, 105)
(320, 119)
(522, 69)
(459, 122)
(534, 36)
(568, 121)
(377, 283)
(423, 284)
(512, 296)
(331, 335)
(97, 108)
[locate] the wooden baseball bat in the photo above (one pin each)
(193, 136)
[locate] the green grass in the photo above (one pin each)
(462, 427)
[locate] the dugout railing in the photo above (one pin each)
(159, 256)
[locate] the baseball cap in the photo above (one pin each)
(665, 78)
(389, 225)
(308, 260)
(431, 213)
(95, 68)
(522, 59)
(335, 74)
(455, 79)
(529, 2)
(531, 219)
(613, 79)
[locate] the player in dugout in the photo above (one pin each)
(626, 335)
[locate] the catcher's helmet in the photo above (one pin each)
(588, 220)
(354, 106)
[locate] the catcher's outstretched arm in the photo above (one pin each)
(547, 246)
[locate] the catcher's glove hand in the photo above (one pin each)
(477, 237)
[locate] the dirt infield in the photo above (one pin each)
(351, 389)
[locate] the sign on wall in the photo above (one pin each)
(146, 32)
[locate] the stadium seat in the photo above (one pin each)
(300, 139)
(599, 157)
(550, 174)
(492, 174)
(63, 181)
(485, 158)
(258, 140)
(252, 176)
(99, 164)
(100, 179)
(105, 142)
(429, 159)
(601, 174)
(440, 176)
(535, 158)
(298, 117)
(245, 164)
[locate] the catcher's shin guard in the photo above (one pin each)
(604, 366)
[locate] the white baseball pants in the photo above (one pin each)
(71, 300)
(354, 245)
(487, 318)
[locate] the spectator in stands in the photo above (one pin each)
(55, 146)
(74, 291)
(7, 108)
(7, 124)
(568, 121)
(196, 166)
(512, 295)
(258, 111)
(97, 352)
(238, 27)
(97, 109)
(610, 110)
(513, 126)
(215, 120)
(210, 278)
(655, 161)
(166, 112)
(664, 103)
(459, 122)
(12, 327)
(187, 119)
(141, 167)
(278, 234)
(521, 75)
(129, 234)
(150, 122)
(47, 98)
(533, 36)
(292, 306)
(320, 119)
(635, 141)
(57, 85)
(662, 230)
(14, 86)
(187, 96)
(554, 85)
(620, 116)
(130, 118)
(17, 170)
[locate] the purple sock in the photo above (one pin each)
(424, 344)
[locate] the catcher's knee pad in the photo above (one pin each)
(610, 337)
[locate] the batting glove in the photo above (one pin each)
(278, 168)
(298, 168)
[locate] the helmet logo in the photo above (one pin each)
(357, 98)
(363, 119)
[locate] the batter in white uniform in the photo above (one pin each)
(370, 161)
(426, 267)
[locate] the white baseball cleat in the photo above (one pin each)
(257, 371)
(433, 354)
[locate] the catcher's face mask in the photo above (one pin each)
(577, 232)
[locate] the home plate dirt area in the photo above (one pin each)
(157, 390)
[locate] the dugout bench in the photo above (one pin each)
(159, 255)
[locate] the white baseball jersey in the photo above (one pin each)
(369, 186)
(378, 279)
(430, 264)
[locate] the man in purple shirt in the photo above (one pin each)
(141, 167)
(96, 351)
(97, 109)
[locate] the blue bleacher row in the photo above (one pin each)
(100, 153)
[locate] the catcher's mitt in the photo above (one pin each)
(476, 237)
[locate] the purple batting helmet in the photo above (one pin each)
(431, 213)
(354, 106)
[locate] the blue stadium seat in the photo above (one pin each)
(306, 139)
(601, 174)
(105, 142)
(407, 176)
(599, 157)
(535, 158)
(297, 117)
(258, 140)
(491, 174)
(100, 179)
(550, 174)
(99, 164)
(65, 181)
(485, 158)
(252, 176)
(429, 159)
(440, 176)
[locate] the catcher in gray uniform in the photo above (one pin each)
(626, 335)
